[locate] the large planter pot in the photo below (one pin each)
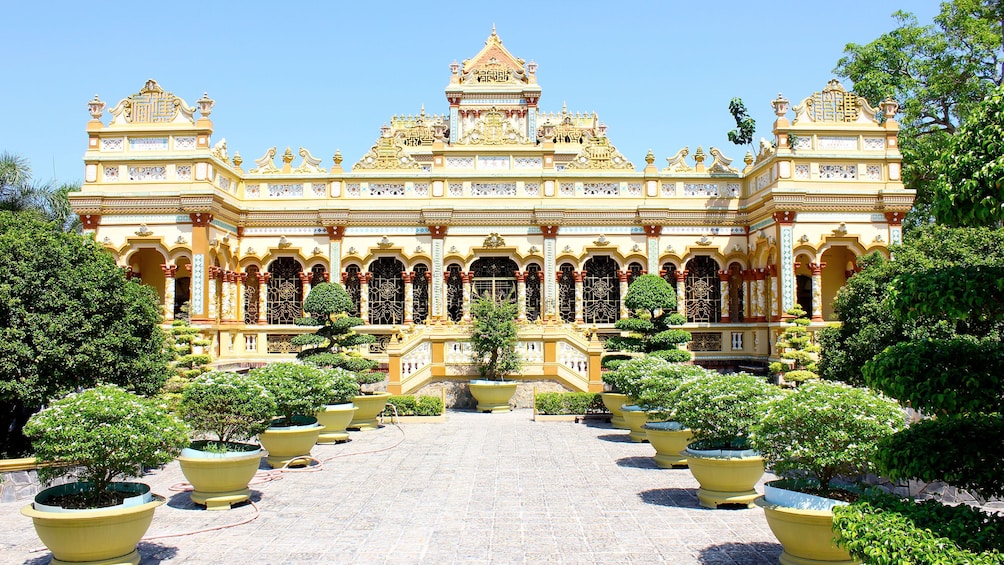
(98, 536)
(635, 417)
(726, 476)
(669, 440)
(613, 401)
(335, 418)
(219, 480)
(368, 407)
(493, 396)
(290, 444)
(803, 523)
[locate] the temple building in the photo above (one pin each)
(497, 195)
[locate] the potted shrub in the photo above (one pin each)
(338, 410)
(97, 436)
(494, 336)
(299, 391)
(721, 410)
(800, 356)
(821, 431)
(668, 436)
(223, 410)
(627, 379)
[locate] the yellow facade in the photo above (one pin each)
(493, 194)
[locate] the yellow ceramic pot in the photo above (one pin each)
(219, 480)
(726, 476)
(335, 418)
(669, 440)
(493, 396)
(289, 444)
(613, 401)
(99, 536)
(368, 407)
(635, 417)
(804, 525)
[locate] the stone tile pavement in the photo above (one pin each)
(479, 488)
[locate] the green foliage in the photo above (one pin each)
(299, 390)
(669, 338)
(20, 193)
(568, 403)
(342, 385)
(825, 430)
(330, 346)
(650, 293)
(613, 361)
(655, 390)
(630, 344)
(627, 377)
(106, 432)
(637, 325)
(192, 360)
(745, 125)
(672, 355)
(68, 319)
(924, 532)
(721, 409)
(939, 72)
(494, 336)
(226, 406)
(651, 301)
(795, 345)
(963, 450)
(409, 405)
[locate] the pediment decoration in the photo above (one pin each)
(834, 104)
(386, 154)
(493, 240)
(492, 128)
(678, 162)
(151, 105)
(310, 163)
(599, 154)
(266, 164)
(721, 164)
(494, 64)
(567, 127)
(220, 150)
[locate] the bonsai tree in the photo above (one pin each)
(332, 344)
(299, 390)
(342, 386)
(494, 336)
(824, 430)
(798, 351)
(227, 408)
(721, 409)
(652, 302)
(106, 433)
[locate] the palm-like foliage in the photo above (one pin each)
(20, 193)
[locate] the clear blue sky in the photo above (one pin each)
(327, 75)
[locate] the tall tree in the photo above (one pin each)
(20, 193)
(939, 73)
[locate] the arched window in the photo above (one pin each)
(454, 292)
(317, 274)
(495, 276)
(668, 273)
(251, 294)
(601, 295)
(533, 276)
(386, 296)
(285, 293)
(566, 292)
(420, 294)
(635, 270)
(704, 293)
(352, 287)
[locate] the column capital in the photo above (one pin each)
(724, 276)
(771, 270)
(335, 233)
(214, 271)
(438, 232)
(169, 270)
(759, 274)
(263, 278)
(579, 276)
(653, 231)
(327, 276)
(408, 278)
(785, 217)
(816, 268)
(681, 276)
(365, 278)
(894, 218)
(201, 219)
(549, 231)
(622, 276)
(305, 277)
(520, 276)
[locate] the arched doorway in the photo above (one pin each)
(704, 293)
(285, 293)
(601, 295)
(386, 292)
(494, 276)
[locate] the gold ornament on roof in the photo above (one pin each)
(602, 241)
(238, 159)
(493, 240)
(835, 104)
(310, 163)
(384, 243)
(287, 157)
(599, 154)
(721, 164)
(678, 162)
(152, 105)
(144, 231)
(388, 153)
(266, 163)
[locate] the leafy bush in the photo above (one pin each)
(655, 389)
(568, 403)
(651, 301)
(669, 339)
(227, 406)
(611, 361)
(192, 360)
(409, 405)
(825, 429)
(673, 355)
(342, 385)
(328, 305)
(626, 379)
(924, 532)
(299, 390)
(797, 349)
(106, 433)
(722, 409)
(625, 343)
(494, 335)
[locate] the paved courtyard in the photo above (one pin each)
(479, 488)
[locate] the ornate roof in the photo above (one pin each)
(494, 65)
(152, 105)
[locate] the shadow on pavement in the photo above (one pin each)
(638, 462)
(756, 553)
(620, 438)
(676, 497)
